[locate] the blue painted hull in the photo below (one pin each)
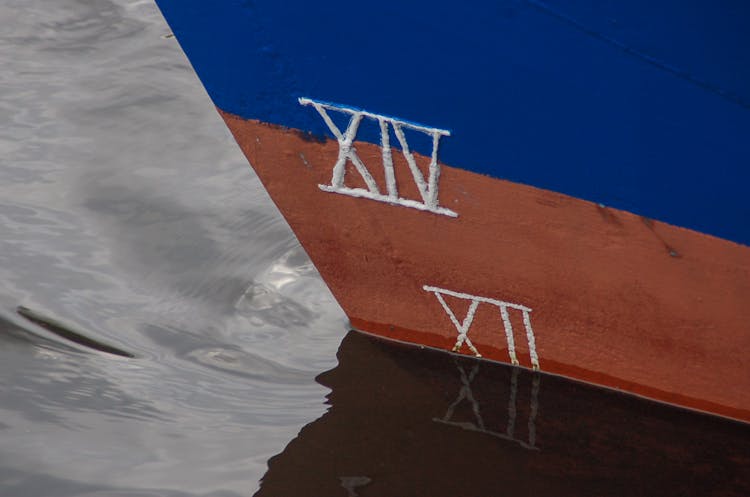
(643, 106)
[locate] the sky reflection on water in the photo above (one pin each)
(129, 215)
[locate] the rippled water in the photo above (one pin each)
(128, 215)
(161, 330)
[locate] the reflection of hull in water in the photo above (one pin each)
(564, 126)
(409, 422)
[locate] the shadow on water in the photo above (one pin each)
(405, 421)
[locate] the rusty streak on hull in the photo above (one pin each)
(618, 300)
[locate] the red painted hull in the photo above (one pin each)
(616, 299)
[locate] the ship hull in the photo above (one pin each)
(614, 298)
(642, 106)
(564, 187)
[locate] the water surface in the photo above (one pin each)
(161, 330)
(128, 216)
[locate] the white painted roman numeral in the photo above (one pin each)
(463, 327)
(428, 188)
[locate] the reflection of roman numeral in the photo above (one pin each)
(428, 188)
(351, 483)
(463, 327)
(465, 394)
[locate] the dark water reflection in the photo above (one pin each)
(405, 421)
(130, 222)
